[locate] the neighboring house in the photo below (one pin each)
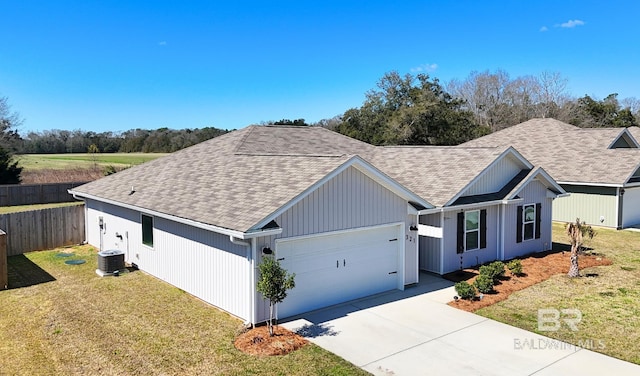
(599, 167)
(348, 218)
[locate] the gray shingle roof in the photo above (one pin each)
(568, 153)
(635, 132)
(237, 180)
(435, 173)
(212, 184)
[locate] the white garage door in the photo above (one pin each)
(335, 268)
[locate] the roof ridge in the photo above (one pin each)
(250, 130)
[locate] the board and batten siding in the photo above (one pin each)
(631, 207)
(430, 247)
(495, 178)
(350, 200)
(534, 193)
(203, 263)
(452, 260)
(594, 205)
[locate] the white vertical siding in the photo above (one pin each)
(535, 192)
(495, 177)
(631, 207)
(589, 205)
(430, 247)
(452, 259)
(349, 200)
(410, 251)
(200, 262)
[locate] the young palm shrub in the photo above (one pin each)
(577, 232)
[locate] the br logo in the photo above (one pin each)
(551, 319)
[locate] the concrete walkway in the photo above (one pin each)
(414, 332)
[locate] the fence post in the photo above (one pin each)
(4, 270)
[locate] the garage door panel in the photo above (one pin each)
(334, 268)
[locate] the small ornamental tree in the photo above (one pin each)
(577, 232)
(273, 284)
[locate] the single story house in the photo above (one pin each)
(348, 218)
(599, 167)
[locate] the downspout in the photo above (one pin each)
(442, 243)
(620, 208)
(498, 231)
(417, 249)
(86, 217)
(253, 283)
(250, 258)
(503, 209)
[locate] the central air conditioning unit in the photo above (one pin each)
(110, 262)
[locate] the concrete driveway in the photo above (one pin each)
(414, 332)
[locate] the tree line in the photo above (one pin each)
(162, 140)
(419, 110)
(401, 110)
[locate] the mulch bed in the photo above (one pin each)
(258, 342)
(536, 268)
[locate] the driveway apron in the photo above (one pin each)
(414, 332)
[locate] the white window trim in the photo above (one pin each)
(474, 230)
(153, 228)
(525, 222)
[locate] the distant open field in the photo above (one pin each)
(83, 160)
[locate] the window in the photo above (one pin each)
(471, 230)
(147, 230)
(529, 222)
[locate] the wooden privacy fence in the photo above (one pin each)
(4, 269)
(30, 194)
(43, 229)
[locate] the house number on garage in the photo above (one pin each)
(409, 238)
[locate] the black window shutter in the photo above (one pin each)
(460, 233)
(483, 228)
(519, 226)
(538, 219)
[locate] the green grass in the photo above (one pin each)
(609, 302)
(23, 208)
(63, 319)
(83, 160)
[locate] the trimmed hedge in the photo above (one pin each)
(495, 270)
(484, 284)
(465, 290)
(515, 267)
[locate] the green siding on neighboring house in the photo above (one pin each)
(588, 203)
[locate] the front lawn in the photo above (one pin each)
(64, 319)
(609, 299)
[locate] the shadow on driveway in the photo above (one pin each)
(316, 322)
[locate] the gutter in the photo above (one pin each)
(239, 235)
(465, 206)
(615, 185)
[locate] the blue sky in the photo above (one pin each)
(118, 65)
